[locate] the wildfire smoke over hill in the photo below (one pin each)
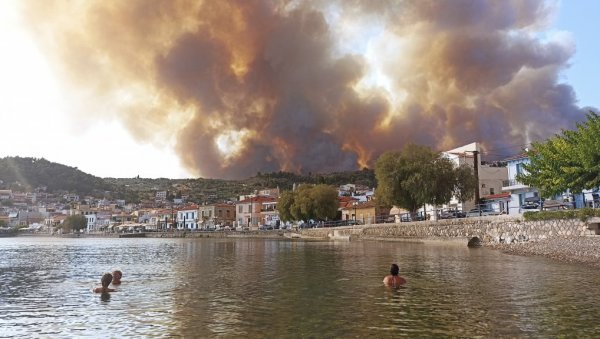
(248, 86)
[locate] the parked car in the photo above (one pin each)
(451, 214)
(484, 211)
(407, 217)
(530, 207)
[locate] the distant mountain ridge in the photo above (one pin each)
(27, 174)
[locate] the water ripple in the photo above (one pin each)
(269, 288)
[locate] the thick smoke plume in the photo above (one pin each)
(247, 86)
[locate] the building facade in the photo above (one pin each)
(216, 214)
(187, 218)
(251, 212)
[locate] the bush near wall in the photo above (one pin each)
(582, 214)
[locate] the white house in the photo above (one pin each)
(5, 194)
(187, 218)
(91, 221)
(524, 198)
(490, 178)
(161, 195)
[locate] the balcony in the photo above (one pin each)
(512, 184)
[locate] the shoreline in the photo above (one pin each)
(582, 250)
(567, 249)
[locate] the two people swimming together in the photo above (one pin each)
(107, 279)
(393, 279)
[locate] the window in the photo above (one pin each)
(241, 209)
(491, 190)
(521, 199)
(519, 169)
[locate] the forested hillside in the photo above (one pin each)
(213, 190)
(26, 174)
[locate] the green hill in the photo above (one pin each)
(214, 190)
(27, 174)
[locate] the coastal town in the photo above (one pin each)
(499, 193)
(299, 169)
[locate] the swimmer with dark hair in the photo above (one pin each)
(394, 280)
(106, 280)
(117, 275)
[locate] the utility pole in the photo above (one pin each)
(476, 172)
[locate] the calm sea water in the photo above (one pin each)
(259, 288)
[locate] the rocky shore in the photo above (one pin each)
(585, 249)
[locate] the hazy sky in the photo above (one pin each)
(44, 114)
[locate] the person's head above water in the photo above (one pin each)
(394, 270)
(106, 279)
(117, 275)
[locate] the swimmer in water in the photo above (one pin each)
(117, 275)
(394, 280)
(106, 280)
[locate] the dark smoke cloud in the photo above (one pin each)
(248, 86)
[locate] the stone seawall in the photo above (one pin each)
(497, 229)
(218, 234)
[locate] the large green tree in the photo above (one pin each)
(466, 183)
(570, 160)
(325, 202)
(74, 223)
(284, 205)
(308, 202)
(417, 175)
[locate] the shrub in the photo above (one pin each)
(582, 214)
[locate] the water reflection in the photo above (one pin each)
(269, 288)
(105, 297)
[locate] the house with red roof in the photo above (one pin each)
(253, 212)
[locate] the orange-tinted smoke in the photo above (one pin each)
(248, 86)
